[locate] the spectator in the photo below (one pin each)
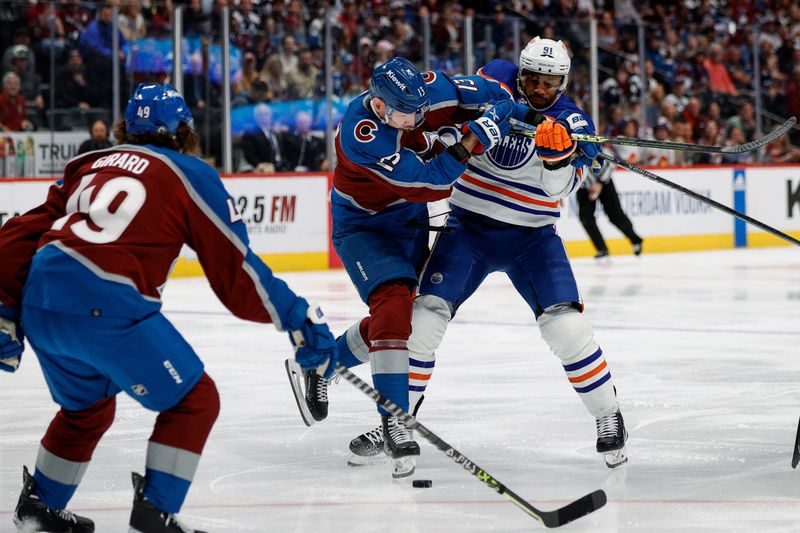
(47, 28)
(21, 37)
(76, 18)
(98, 140)
(95, 45)
(131, 22)
(304, 79)
(447, 38)
(719, 79)
(736, 136)
(692, 114)
(260, 147)
(710, 136)
(288, 54)
(781, 151)
(631, 154)
(249, 74)
(275, 78)
(659, 157)
(259, 93)
(741, 74)
(678, 96)
(72, 90)
(301, 150)
(401, 35)
(745, 121)
(30, 84)
(13, 114)
(246, 23)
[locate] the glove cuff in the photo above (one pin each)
(555, 165)
(459, 152)
(297, 315)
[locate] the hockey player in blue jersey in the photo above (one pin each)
(504, 210)
(380, 188)
(83, 273)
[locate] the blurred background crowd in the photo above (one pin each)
(700, 71)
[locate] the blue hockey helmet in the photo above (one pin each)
(401, 87)
(156, 109)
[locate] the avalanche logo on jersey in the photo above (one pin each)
(512, 153)
(363, 130)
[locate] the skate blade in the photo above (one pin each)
(403, 467)
(295, 374)
(360, 460)
(615, 458)
(25, 526)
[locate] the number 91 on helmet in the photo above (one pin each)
(156, 109)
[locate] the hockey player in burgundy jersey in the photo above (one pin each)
(83, 273)
(504, 210)
(380, 223)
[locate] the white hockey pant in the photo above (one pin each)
(570, 338)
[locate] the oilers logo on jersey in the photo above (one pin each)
(515, 151)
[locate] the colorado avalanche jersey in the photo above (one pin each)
(379, 166)
(509, 182)
(115, 225)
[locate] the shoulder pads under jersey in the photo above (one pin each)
(364, 138)
(503, 72)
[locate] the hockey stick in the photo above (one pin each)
(796, 451)
(530, 131)
(572, 511)
(724, 208)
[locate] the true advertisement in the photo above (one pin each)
(37, 154)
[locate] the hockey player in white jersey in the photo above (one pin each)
(504, 210)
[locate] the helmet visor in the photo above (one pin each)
(530, 80)
(416, 119)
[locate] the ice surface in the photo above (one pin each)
(704, 349)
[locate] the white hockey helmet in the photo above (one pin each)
(545, 56)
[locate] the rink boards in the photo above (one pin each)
(288, 221)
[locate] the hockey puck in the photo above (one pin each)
(422, 483)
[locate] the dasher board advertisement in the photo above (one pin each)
(38, 154)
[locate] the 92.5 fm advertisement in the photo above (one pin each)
(283, 214)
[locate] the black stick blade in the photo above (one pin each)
(796, 451)
(763, 141)
(577, 509)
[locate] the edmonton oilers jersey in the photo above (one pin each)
(509, 182)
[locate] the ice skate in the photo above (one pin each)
(310, 392)
(317, 395)
(603, 258)
(32, 515)
(637, 248)
(367, 448)
(146, 518)
(399, 446)
(611, 437)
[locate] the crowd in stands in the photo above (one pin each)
(698, 83)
